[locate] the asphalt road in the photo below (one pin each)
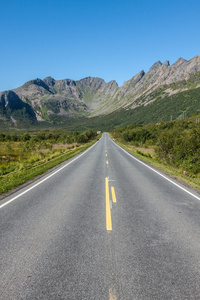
(104, 226)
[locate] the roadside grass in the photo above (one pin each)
(15, 173)
(150, 157)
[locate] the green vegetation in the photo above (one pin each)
(171, 145)
(163, 107)
(45, 98)
(24, 156)
(20, 118)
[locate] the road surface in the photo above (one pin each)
(102, 226)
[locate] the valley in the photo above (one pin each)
(161, 94)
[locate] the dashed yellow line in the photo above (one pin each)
(113, 194)
(112, 294)
(108, 211)
(107, 162)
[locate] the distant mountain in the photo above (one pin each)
(55, 101)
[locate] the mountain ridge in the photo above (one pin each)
(48, 99)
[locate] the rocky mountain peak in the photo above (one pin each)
(112, 84)
(110, 87)
(92, 96)
(92, 82)
(67, 82)
(179, 62)
(165, 64)
(135, 79)
(49, 81)
(155, 67)
(195, 59)
(38, 82)
(164, 68)
(193, 65)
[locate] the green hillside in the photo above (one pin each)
(173, 107)
(162, 109)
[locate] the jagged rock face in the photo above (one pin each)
(10, 102)
(158, 76)
(110, 87)
(49, 81)
(64, 84)
(91, 82)
(38, 82)
(66, 97)
(92, 96)
(135, 79)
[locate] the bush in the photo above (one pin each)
(25, 137)
(82, 138)
(177, 142)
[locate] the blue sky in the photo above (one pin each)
(108, 39)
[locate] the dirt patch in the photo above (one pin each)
(64, 146)
(144, 150)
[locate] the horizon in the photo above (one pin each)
(99, 77)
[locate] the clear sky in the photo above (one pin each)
(110, 39)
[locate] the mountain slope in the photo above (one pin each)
(160, 76)
(55, 101)
(13, 109)
(64, 97)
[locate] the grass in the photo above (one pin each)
(35, 166)
(151, 159)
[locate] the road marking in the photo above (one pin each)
(107, 162)
(112, 294)
(106, 154)
(46, 178)
(108, 211)
(113, 194)
(171, 181)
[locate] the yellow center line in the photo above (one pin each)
(112, 295)
(107, 162)
(108, 211)
(113, 194)
(106, 154)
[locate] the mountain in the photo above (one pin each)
(55, 101)
(14, 109)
